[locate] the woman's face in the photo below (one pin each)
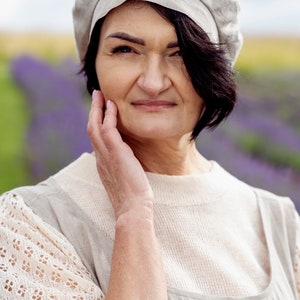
(139, 67)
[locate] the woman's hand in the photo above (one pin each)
(137, 270)
(121, 173)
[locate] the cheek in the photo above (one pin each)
(196, 108)
(113, 81)
(194, 102)
(107, 82)
(195, 113)
(199, 104)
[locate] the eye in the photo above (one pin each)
(177, 53)
(122, 49)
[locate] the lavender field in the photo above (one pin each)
(259, 143)
(56, 133)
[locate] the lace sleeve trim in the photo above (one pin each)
(297, 258)
(36, 261)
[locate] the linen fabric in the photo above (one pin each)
(220, 238)
(219, 19)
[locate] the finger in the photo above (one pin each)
(96, 114)
(109, 131)
(98, 104)
(94, 125)
(110, 116)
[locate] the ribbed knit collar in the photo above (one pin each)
(170, 189)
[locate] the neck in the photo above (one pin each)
(169, 157)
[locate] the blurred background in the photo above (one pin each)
(43, 103)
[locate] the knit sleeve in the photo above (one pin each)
(297, 258)
(36, 261)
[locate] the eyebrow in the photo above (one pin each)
(129, 38)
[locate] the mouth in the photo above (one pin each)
(153, 105)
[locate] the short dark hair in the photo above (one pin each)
(209, 70)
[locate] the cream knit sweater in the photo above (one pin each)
(208, 226)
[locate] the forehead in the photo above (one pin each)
(138, 18)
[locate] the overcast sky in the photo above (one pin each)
(281, 17)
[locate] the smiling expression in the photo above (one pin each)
(139, 67)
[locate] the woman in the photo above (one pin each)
(162, 222)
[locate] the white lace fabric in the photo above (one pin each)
(37, 262)
(297, 259)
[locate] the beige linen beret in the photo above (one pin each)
(218, 18)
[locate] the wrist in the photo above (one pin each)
(137, 217)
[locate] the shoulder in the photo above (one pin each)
(32, 193)
(15, 206)
(275, 201)
(264, 196)
(279, 217)
(278, 210)
(45, 202)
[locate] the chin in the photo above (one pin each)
(154, 129)
(151, 133)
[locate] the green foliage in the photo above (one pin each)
(14, 116)
(280, 88)
(275, 154)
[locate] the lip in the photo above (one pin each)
(153, 105)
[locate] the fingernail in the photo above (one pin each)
(108, 103)
(93, 95)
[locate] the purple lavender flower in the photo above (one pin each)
(57, 131)
(262, 134)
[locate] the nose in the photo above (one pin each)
(154, 78)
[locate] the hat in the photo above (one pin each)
(218, 18)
